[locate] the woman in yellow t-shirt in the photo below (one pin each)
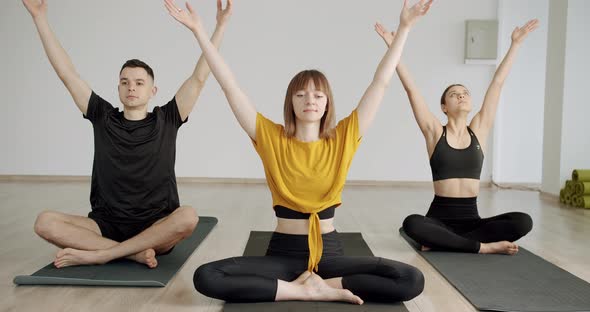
(306, 163)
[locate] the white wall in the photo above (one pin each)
(556, 46)
(567, 143)
(575, 135)
(266, 44)
(518, 131)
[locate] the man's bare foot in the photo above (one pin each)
(147, 257)
(503, 247)
(317, 290)
(424, 248)
(70, 257)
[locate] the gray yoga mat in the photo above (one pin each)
(353, 244)
(123, 272)
(522, 282)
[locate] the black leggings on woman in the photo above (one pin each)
(255, 279)
(454, 224)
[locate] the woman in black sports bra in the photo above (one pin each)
(456, 157)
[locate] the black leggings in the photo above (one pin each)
(255, 279)
(454, 224)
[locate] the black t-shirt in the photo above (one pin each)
(133, 177)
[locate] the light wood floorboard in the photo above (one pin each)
(560, 235)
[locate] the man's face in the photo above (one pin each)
(136, 87)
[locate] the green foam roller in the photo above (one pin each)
(581, 175)
(585, 201)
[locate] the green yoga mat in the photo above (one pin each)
(581, 201)
(568, 198)
(124, 272)
(562, 195)
(575, 202)
(353, 244)
(569, 186)
(522, 282)
(582, 188)
(581, 175)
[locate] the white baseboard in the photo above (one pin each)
(182, 180)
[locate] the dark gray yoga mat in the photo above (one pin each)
(522, 282)
(123, 272)
(353, 245)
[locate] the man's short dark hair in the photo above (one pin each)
(137, 63)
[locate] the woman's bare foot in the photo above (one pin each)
(503, 247)
(424, 248)
(318, 290)
(302, 277)
(311, 287)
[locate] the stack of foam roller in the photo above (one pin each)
(577, 190)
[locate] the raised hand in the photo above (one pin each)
(36, 8)
(520, 33)
(188, 17)
(386, 35)
(223, 15)
(410, 15)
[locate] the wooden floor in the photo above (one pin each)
(560, 235)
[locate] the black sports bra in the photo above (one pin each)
(447, 162)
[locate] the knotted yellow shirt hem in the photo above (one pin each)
(315, 242)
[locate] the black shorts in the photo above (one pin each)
(120, 232)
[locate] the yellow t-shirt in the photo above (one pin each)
(307, 176)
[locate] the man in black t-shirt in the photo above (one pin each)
(135, 207)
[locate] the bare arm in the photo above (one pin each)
(187, 95)
(482, 122)
(427, 121)
(371, 100)
(59, 59)
(241, 106)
